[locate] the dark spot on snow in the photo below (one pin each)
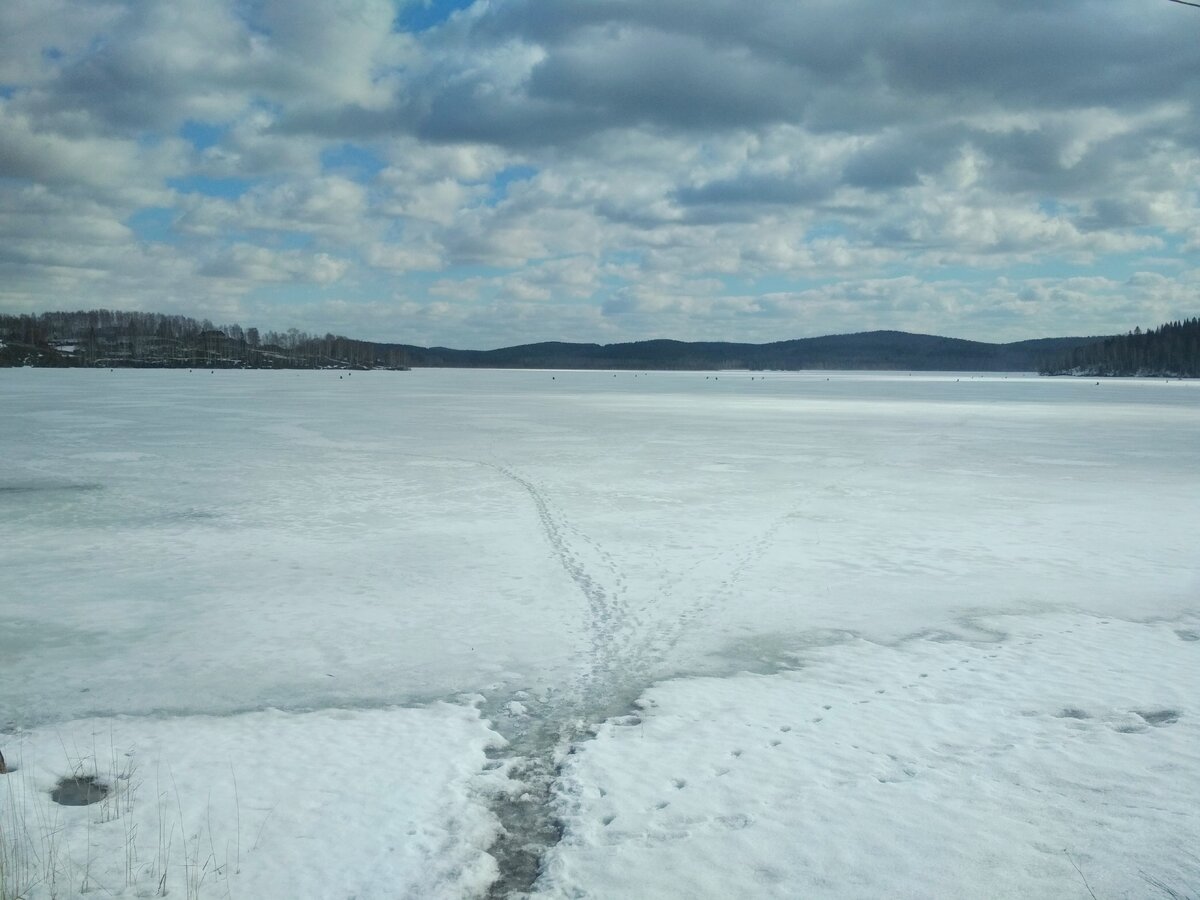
(1188, 634)
(78, 791)
(34, 487)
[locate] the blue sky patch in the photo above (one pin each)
(352, 161)
(422, 15)
(153, 224)
(505, 178)
(203, 135)
(226, 188)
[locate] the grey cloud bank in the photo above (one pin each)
(603, 170)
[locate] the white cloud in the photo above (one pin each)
(246, 263)
(34, 34)
(329, 205)
(592, 170)
(112, 167)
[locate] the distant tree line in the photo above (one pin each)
(112, 338)
(1170, 350)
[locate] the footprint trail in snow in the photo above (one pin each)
(624, 656)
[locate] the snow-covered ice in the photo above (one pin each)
(411, 611)
(345, 803)
(983, 764)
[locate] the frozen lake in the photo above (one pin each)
(455, 578)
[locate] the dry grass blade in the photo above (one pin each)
(1091, 893)
(1166, 889)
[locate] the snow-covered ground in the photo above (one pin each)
(660, 634)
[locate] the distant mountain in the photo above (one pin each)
(150, 340)
(1169, 350)
(866, 350)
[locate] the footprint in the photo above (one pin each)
(785, 728)
(776, 743)
(607, 820)
(1159, 717)
(1187, 634)
(1071, 712)
(661, 804)
(680, 783)
(736, 754)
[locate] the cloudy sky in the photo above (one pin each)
(505, 171)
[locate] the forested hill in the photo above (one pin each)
(108, 338)
(1169, 350)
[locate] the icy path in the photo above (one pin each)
(541, 553)
(627, 650)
